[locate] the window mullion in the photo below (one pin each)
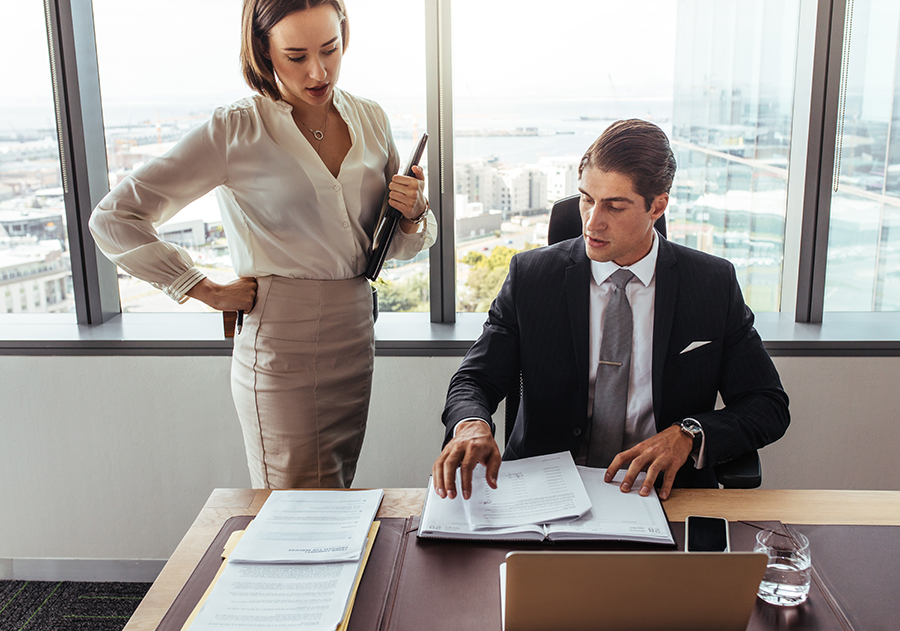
(440, 159)
(820, 160)
(76, 88)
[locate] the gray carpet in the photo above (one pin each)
(67, 605)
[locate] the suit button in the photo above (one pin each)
(577, 431)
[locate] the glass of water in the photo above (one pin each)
(788, 571)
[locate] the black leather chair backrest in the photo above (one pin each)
(565, 221)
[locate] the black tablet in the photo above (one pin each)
(390, 217)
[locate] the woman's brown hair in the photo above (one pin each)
(259, 18)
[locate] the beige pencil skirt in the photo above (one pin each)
(301, 377)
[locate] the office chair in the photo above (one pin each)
(744, 472)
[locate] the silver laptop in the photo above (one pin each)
(630, 591)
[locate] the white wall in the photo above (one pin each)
(112, 457)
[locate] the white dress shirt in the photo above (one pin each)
(640, 423)
(641, 292)
(283, 211)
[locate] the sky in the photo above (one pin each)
(502, 48)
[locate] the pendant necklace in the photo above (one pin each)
(318, 134)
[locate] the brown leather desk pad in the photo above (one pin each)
(416, 584)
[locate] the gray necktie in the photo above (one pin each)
(613, 371)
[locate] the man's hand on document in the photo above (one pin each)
(472, 444)
(663, 453)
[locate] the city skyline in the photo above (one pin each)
(729, 115)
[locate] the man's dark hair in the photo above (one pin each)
(637, 149)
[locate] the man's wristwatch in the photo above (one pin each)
(692, 428)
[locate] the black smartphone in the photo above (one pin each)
(706, 534)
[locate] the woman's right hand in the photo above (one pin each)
(238, 295)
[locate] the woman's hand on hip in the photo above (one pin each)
(238, 295)
(407, 194)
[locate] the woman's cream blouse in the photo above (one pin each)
(283, 211)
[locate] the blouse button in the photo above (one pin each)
(346, 224)
(353, 259)
(337, 187)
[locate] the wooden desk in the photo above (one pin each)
(795, 507)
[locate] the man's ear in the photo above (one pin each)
(659, 205)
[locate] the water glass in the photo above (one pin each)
(788, 571)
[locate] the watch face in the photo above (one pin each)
(691, 426)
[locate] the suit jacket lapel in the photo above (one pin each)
(577, 289)
(663, 317)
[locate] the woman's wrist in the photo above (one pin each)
(203, 291)
(414, 224)
(407, 226)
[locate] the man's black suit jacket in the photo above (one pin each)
(539, 324)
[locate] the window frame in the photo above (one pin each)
(100, 328)
(820, 155)
(79, 115)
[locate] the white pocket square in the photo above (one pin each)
(694, 345)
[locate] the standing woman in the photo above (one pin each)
(300, 171)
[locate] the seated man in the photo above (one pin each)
(623, 341)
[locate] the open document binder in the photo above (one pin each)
(547, 498)
(390, 218)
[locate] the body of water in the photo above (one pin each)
(562, 127)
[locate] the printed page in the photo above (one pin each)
(616, 515)
(309, 527)
(529, 491)
(232, 541)
(446, 518)
(254, 596)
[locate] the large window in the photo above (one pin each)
(529, 98)
(35, 265)
(731, 132)
(723, 92)
(512, 94)
(153, 95)
(380, 65)
(863, 272)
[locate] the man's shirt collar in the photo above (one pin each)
(643, 269)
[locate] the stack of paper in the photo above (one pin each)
(530, 490)
(297, 565)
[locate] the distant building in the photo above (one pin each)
(528, 190)
(562, 176)
(479, 182)
(35, 276)
(731, 132)
(472, 221)
(524, 190)
(187, 234)
(43, 224)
